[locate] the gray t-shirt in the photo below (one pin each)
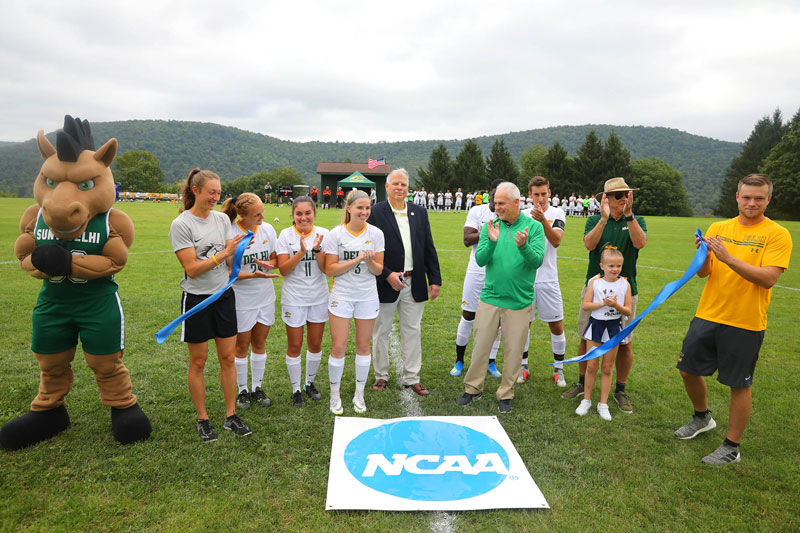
(207, 236)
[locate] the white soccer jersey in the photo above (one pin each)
(358, 283)
(459, 196)
(476, 218)
(306, 284)
(554, 201)
(448, 198)
(255, 293)
(548, 271)
(604, 289)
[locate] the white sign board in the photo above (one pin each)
(441, 463)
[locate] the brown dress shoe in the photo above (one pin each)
(379, 384)
(419, 389)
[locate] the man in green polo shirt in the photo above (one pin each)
(615, 226)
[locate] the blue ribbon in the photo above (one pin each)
(668, 290)
(164, 332)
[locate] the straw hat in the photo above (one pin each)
(614, 185)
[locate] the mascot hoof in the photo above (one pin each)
(33, 427)
(130, 425)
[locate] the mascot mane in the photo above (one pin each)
(73, 139)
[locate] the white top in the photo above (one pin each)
(554, 201)
(448, 197)
(306, 284)
(476, 218)
(430, 196)
(604, 289)
(358, 283)
(564, 202)
(548, 271)
(254, 293)
(207, 236)
(459, 195)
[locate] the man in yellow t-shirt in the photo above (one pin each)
(746, 256)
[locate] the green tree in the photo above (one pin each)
(558, 169)
(439, 174)
(765, 135)
(589, 165)
(662, 192)
(138, 171)
(531, 161)
(470, 168)
(500, 165)
(782, 166)
(286, 176)
(616, 160)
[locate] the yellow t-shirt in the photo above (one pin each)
(727, 297)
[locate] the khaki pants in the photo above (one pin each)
(515, 324)
(409, 314)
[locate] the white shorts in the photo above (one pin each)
(471, 293)
(247, 318)
(583, 317)
(359, 310)
(296, 316)
(547, 299)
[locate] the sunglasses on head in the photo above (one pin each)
(617, 195)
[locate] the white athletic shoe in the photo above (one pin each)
(602, 410)
(583, 408)
(358, 403)
(559, 380)
(336, 405)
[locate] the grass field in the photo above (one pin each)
(627, 475)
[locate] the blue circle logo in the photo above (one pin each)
(427, 460)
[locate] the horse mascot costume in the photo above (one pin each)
(74, 241)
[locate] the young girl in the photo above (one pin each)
(353, 257)
(255, 295)
(608, 297)
(202, 241)
(304, 297)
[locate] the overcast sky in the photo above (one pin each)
(372, 71)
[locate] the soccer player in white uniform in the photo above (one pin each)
(304, 296)
(353, 257)
(470, 198)
(448, 201)
(546, 289)
(473, 284)
(459, 197)
(255, 295)
(439, 201)
(431, 203)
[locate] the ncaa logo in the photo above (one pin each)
(427, 460)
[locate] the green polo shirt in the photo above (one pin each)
(615, 232)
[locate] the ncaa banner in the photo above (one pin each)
(434, 463)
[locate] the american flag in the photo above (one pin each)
(376, 163)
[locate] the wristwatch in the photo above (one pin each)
(628, 219)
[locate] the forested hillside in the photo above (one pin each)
(232, 152)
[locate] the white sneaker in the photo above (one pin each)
(584, 407)
(358, 403)
(559, 379)
(602, 410)
(336, 405)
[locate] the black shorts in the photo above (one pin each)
(217, 320)
(710, 346)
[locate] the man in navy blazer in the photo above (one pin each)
(410, 272)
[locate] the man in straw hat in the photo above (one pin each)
(615, 226)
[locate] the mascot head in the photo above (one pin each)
(75, 181)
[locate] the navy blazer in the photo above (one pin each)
(426, 261)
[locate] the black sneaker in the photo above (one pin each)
(205, 431)
(233, 423)
(466, 398)
(261, 397)
(243, 400)
(504, 406)
(298, 400)
(312, 392)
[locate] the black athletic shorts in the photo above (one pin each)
(710, 346)
(216, 320)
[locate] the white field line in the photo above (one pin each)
(441, 522)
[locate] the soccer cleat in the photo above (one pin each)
(298, 400)
(457, 369)
(205, 431)
(492, 370)
(260, 397)
(574, 391)
(504, 406)
(602, 410)
(233, 423)
(559, 380)
(523, 375)
(583, 407)
(622, 401)
(243, 400)
(695, 426)
(336, 405)
(358, 403)
(312, 392)
(723, 455)
(466, 398)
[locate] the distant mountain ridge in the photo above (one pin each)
(232, 152)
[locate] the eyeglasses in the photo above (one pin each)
(617, 195)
